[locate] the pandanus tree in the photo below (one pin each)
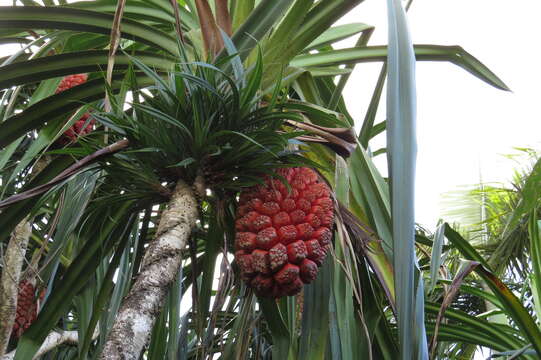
(199, 110)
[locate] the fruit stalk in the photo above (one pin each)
(140, 308)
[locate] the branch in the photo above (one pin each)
(54, 339)
(70, 171)
(223, 18)
(211, 34)
(113, 46)
(341, 140)
(178, 24)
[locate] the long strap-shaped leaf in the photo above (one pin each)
(480, 326)
(315, 318)
(338, 33)
(34, 17)
(140, 10)
(321, 17)
(279, 41)
(401, 142)
(71, 63)
(260, 21)
(53, 106)
(72, 170)
(534, 230)
(453, 54)
(304, 27)
(512, 306)
(459, 333)
(74, 280)
(277, 326)
(16, 213)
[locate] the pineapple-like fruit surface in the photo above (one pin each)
(283, 234)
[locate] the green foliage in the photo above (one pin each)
(200, 121)
(229, 119)
(502, 297)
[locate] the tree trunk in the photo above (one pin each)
(161, 262)
(9, 284)
(12, 268)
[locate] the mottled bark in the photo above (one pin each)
(161, 262)
(12, 268)
(54, 339)
(9, 283)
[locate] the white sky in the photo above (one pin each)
(464, 125)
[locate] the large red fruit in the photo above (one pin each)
(82, 126)
(27, 308)
(283, 235)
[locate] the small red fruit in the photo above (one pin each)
(266, 238)
(308, 270)
(245, 241)
(283, 234)
(287, 274)
(261, 261)
(278, 256)
(296, 252)
(262, 284)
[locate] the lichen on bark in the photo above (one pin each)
(12, 267)
(9, 282)
(142, 305)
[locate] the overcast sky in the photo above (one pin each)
(464, 125)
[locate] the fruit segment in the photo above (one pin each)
(283, 233)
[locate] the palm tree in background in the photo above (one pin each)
(486, 275)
